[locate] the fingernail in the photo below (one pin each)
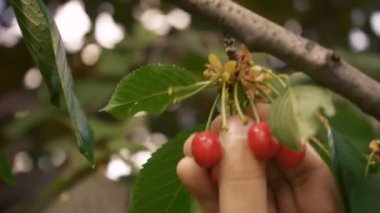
(237, 130)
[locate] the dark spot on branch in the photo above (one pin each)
(230, 8)
(310, 45)
(333, 59)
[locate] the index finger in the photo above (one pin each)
(242, 183)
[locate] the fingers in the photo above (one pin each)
(197, 181)
(271, 202)
(262, 109)
(285, 201)
(311, 176)
(242, 183)
(241, 177)
(216, 124)
(313, 184)
(187, 145)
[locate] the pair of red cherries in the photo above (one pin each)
(206, 149)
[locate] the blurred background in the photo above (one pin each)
(105, 40)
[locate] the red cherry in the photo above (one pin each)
(214, 177)
(289, 158)
(260, 141)
(206, 149)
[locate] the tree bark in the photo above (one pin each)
(320, 63)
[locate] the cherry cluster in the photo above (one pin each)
(241, 84)
(207, 150)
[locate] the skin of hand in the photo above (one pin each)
(247, 184)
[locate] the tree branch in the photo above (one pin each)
(260, 34)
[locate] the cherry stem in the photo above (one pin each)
(208, 125)
(272, 88)
(223, 103)
(326, 125)
(277, 77)
(368, 164)
(280, 78)
(254, 111)
(252, 105)
(237, 105)
(324, 121)
(270, 99)
(320, 145)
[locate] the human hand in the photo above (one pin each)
(247, 184)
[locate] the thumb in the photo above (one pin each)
(242, 182)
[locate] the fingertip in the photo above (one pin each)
(189, 173)
(187, 145)
(216, 124)
(182, 169)
(197, 181)
(236, 130)
(262, 109)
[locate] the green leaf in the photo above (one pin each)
(356, 126)
(292, 116)
(364, 197)
(348, 164)
(147, 89)
(44, 42)
(5, 171)
(347, 160)
(157, 188)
